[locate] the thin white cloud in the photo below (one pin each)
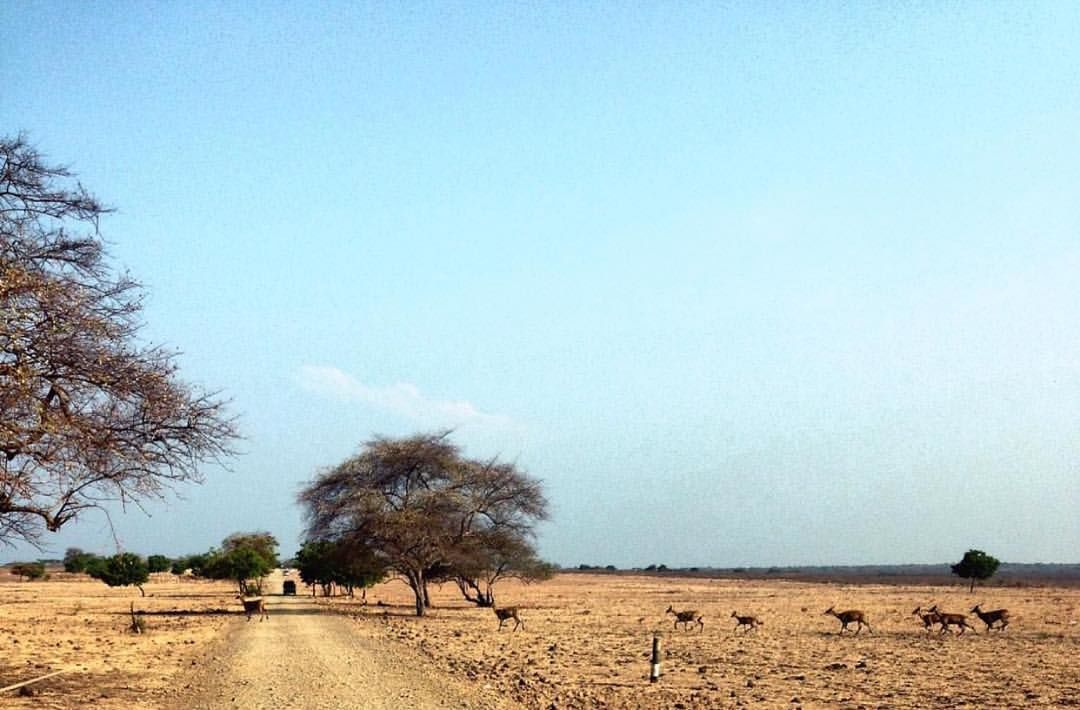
(404, 399)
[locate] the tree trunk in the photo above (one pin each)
(478, 597)
(427, 596)
(971, 589)
(416, 581)
(141, 590)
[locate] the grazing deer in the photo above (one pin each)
(992, 617)
(930, 618)
(254, 605)
(848, 617)
(686, 618)
(750, 622)
(947, 620)
(509, 612)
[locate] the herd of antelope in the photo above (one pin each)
(998, 618)
(933, 615)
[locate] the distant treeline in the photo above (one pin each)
(1010, 573)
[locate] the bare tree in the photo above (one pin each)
(418, 502)
(88, 413)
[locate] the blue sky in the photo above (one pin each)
(744, 283)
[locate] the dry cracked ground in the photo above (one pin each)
(585, 644)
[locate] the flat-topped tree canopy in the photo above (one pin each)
(422, 505)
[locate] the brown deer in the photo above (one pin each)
(947, 620)
(509, 612)
(929, 618)
(992, 617)
(254, 605)
(848, 617)
(750, 622)
(686, 618)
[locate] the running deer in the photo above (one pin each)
(750, 622)
(686, 618)
(929, 618)
(254, 605)
(992, 617)
(848, 617)
(509, 612)
(947, 620)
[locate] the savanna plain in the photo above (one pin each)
(586, 643)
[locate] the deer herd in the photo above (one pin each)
(689, 618)
(998, 618)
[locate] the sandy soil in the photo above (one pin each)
(586, 644)
(306, 656)
(74, 624)
(588, 638)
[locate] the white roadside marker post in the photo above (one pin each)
(655, 674)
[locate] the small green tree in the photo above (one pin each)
(28, 570)
(75, 560)
(976, 565)
(243, 557)
(158, 563)
(315, 563)
(195, 563)
(342, 562)
(123, 570)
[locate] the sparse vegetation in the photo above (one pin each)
(348, 565)
(158, 563)
(138, 623)
(195, 563)
(121, 570)
(75, 560)
(28, 570)
(481, 560)
(244, 558)
(976, 565)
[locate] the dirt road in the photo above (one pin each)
(306, 657)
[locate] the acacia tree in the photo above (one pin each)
(195, 563)
(122, 570)
(487, 557)
(76, 560)
(243, 557)
(976, 565)
(341, 562)
(158, 563)
(28, 570)
(415, 501)
(88, 413)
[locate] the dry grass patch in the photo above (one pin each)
(74, 624)
(588, 638)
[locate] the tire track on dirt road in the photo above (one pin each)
(306, 657)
